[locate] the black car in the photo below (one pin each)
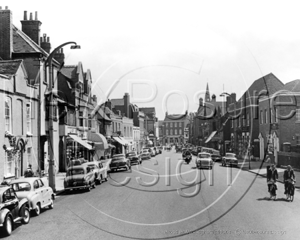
(216, 158)
(134, 158)
(119, 161)
(12, 209)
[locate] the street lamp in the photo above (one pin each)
(48, 62)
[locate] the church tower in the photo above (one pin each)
(207, 94)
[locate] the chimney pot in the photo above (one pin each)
(25, 15)
(48, 39)
(6, 7)
(30, 16)
(36, 15)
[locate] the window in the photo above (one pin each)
(275, 115)
(248, 119)
(232, 123)
(266, 116)
(298, 114)
(175, 131)
(125, 131)
(175, 124)
(9, 165)
(272, 115)
(298, 140)
(167, 131)
(28, 117)
(171, 132)
(180, 131)
(8, 114)
(261, 117)
(167, 124)
(29, 155)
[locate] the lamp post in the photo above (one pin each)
(52, 114)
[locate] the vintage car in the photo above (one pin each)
(99, 170)
(229, 159)
(76, 162)
(204, 160)
(35, 191)
(134, 158)
(80, 177)
(119, 161)
(145, 155)
(12, 209)
(216, 157)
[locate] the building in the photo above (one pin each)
(150, 125)
(279, 119)
(245, 126)
(18, 134)
(174, 126)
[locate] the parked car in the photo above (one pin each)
(77, 162)
(204, 160)
(80, 177)
(145, 156)
(119, 161)
(229, 159)
(35, 191)
(134, 158)
(12, 209)
(98, 169)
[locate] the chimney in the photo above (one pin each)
(126, 104)
(108, 104)
(32, 27)
(201, 102)
(45, 43)
(60, 56)
(6, 34)
(213, 98)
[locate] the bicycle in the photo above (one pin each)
(290, 190)
(273, 188)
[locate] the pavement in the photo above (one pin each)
(260, 168)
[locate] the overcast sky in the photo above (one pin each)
(173, 45)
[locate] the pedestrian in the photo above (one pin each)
(28, 171)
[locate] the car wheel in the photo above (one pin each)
(26, 217)
(37, 209)
(8, 225)
(51, 206)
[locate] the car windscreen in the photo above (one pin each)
(230, 155)
(72, 172)
(22, 186)
(203, 155)
(117, 158)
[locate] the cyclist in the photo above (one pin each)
(272, 176)
(288, 176)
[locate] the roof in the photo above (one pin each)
(68, 71)
(3, 188)
(9, 67)
(117, 102)
(174, 117)
(28, 179)
(293, 86)
(24, 44)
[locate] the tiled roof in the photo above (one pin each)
(68, 71)
(293, 86)
(117, 102)
(9, 67)
(24, 44)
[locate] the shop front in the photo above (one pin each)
(101, 146)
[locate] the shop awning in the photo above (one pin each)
(82, 142)
(211, 136)
(119, 140)
(98, 139)
(125, 141)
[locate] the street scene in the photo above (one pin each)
(121, 125)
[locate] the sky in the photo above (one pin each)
(164, 53)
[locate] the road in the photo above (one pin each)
(223, 203)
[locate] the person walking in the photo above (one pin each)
(272, 176)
